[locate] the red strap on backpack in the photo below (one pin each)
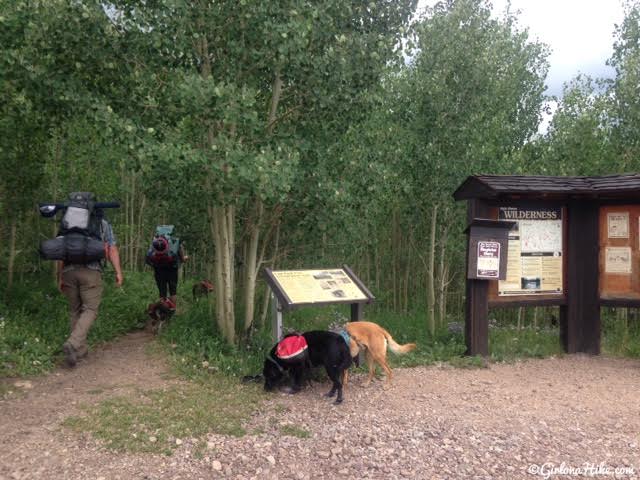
(290, 347)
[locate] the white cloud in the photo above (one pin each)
(578, 32)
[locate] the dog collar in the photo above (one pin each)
(273, 360)
(345, 335)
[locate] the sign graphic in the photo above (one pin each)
(488, 260)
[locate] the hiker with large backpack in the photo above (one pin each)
(165, 255)
(83, 244)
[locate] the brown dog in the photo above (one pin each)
(203, 287)
(374, 339)
(159, 313)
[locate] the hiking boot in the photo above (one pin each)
(70, 355)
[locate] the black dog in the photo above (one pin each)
(326, 349)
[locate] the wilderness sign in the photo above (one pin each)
(534, 263)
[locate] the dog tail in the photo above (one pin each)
(396, 347)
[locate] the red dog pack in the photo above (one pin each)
(292, 348)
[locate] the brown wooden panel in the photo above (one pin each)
(619, 285)
(476, 325)
(580, 317)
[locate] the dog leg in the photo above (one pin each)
(372, 368)
(297, 373)
(382, 361)
(339, 397)
(335, 375)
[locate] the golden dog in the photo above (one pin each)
(374, 339)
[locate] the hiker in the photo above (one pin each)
(165, 256)
(84, 240)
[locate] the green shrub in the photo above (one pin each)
(34, 324)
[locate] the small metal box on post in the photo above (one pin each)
(487, 249)
(488, 246)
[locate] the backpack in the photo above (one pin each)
(293, 349)
(79, 238)
(165, 248)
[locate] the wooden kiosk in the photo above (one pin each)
(575, 244)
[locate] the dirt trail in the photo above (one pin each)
(503, 422)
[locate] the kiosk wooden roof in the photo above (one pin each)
(537, 186)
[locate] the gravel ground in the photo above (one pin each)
(570, 417)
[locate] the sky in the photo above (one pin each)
(579, 34)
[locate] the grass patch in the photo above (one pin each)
(507, 343)
(620, 337)
(196, 348)
(6, 390)
(155, 422)
(469, 362)
(295, 431)
(280, 409)
(35, 323)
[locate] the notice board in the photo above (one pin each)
(619, 260)
(295, 288)
(535, 259)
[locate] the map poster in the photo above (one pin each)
(618, 260)
(618, 224)
(318, 286)
(488, 260)
(534, 265)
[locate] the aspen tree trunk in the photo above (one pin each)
(520, 317)
(442, 305)
(267, 294)
(394, 263)
(431, 294)
(376, 263)
(132, 228)
(367, 266)
(124, 241)
(12, 251)
(252, 263)
(222, 220)
(54, 232)
(251, 266)
(140, 245)
(228, 254)
(407, 277)
(55, 186)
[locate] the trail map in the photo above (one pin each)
(534, 265)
